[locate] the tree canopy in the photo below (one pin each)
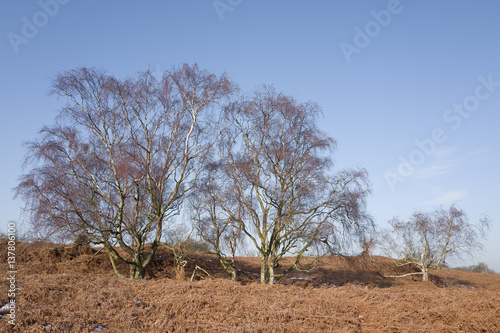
(121, 157)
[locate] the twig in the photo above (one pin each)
(391, 276)
(194, 272)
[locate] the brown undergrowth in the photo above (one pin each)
(59, 291)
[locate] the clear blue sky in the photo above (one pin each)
(386, 73)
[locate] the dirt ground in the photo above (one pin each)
(58, 291)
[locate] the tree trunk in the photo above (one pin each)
(113, 263)
(271, 271)
(425, 274)
(137, 272)
(233, 275)
(228, 265)
(264, 270)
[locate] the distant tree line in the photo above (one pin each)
(479, 268)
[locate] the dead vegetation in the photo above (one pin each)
(61, 291)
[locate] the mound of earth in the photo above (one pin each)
(58, 289)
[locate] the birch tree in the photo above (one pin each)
(279, 165)
(121, 157)
(428, 239)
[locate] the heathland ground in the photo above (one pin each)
(58, 290)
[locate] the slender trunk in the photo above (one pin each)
(228, 265)
(138, 268)
(113, 263)
(137, 272)
(233, 269)
(233, 275)
(132, 271)
(271, 272)
(264, 270)
(425, 274)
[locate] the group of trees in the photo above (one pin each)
(123, 154)
(125, 157)
(271, 180)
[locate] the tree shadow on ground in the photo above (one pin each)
(339, 271)
(448, 282)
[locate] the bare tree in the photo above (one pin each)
(121, 157)
(427, 240)
(216, 214)
(279, 167)
(175, 239)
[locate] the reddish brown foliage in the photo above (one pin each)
(344, 294)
